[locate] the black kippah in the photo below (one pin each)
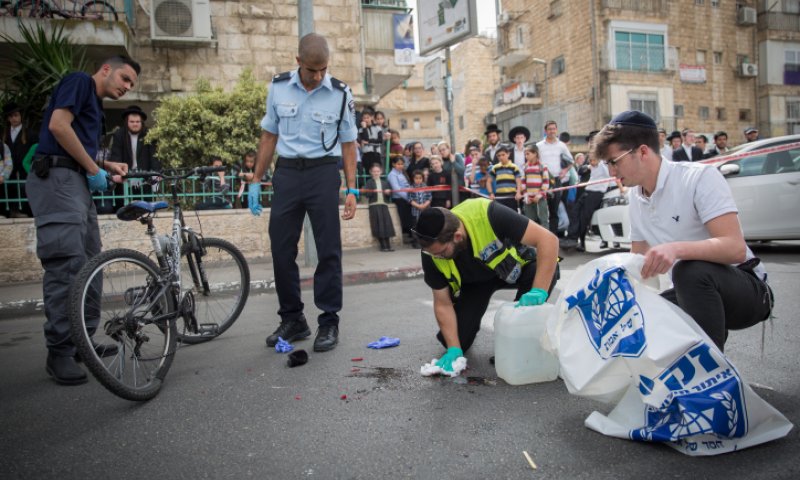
(634, 118)
(430, 223)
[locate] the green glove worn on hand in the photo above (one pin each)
(536, 296)
(446, 362)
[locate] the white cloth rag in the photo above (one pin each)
(430, 369)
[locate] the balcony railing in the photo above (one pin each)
(515, 91)
(396, 4)
(108, 10)
(779, 21)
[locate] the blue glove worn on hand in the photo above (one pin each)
(98, 182)
(254, 198)
(384, 342)
(536, 296)
(446, 362)
(283, 346)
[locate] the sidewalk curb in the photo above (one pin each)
(20, 308)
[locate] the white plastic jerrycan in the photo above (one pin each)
(518, 354)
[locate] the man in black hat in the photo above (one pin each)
(674, 140)
(518, 136)
(684, 221)
(128, 146)
(470, 252)
(493, 139)
(19, 140)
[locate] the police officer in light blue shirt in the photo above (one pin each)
(310, 118)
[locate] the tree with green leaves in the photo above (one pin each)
(40, 63)
(191, 129)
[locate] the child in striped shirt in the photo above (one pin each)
(537, 182)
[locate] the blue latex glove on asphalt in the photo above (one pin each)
(536, 296)
(385, 342)
(98, 182)
(254, 198)
(446, 362)
(283, 346)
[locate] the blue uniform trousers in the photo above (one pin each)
(67, 236)
(314, 191)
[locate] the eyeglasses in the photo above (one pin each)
(613, 161)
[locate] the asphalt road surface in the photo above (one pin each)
(231, 408)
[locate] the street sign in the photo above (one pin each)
(443, 23)
(432, 75)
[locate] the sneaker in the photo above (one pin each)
(327, 338)
(290, 331)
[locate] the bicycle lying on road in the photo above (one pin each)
(193, 292)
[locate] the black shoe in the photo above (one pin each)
(603, 244)
(615, 244)
(290, 331)
(65, 370)
(102, 350)
(327, 338)
(580, 248)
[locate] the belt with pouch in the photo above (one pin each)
(59, 161)
(304, 163)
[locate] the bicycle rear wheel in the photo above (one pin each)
(117, 299)
(100, 10)
(217, 278)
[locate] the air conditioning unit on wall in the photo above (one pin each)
(180, 20)
(748, 70)
(746, 16)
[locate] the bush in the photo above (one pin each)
(190, 129)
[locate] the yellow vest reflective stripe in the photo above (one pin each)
(486, 247)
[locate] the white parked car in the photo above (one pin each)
(766, 189)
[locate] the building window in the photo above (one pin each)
(556, 9)
(745, 115)
(714, 3)
(461, 122)
(702, 112)
(717, 58)
(403, 124)
(520, 36)
(701, 57)
(644, 102)
(678, 111)
(740, 59)
(558, 66)
(699, 2)
(791, 69)
(438, 122)
(416, 124)
(639, 51)
(721, 114)
(792, 117)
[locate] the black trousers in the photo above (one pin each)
(719, 297)
(296, 192)
(471, 304)
(553, 199)
(404, 212)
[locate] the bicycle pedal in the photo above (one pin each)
(208, 329)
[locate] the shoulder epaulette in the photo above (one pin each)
(282, 76)
(338, 84)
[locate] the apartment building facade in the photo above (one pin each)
(687, 63)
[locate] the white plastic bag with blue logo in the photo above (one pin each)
(617, 340)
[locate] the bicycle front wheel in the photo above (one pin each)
(118, 300)
(216, 283)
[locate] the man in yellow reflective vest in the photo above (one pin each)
(470, 252)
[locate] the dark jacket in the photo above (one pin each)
(145, 152)
(19, 148)
(679, 155)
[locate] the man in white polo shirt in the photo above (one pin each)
(684, 219)
(551, 150)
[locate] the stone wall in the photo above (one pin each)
(18, 262)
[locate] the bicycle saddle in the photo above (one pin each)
(138, 209)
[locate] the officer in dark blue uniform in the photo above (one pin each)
(63, 176)
(310, 119)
